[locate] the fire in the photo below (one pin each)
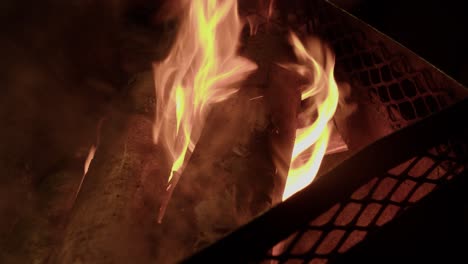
(202, 68)
(320, 96)
(89, 158)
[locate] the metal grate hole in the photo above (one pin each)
(421, 167)
(364, 190)
(397, 69)
(355, 237)
(383, 93)
(387, 214)
(384, 188)
(403, 190)
(408, 88)
(420, 107)
(395, 92)
(407, 111)
(326, 217)
(422, 191)
(398, 170)
(318, 261)
(285, 244)
(436, 173)
(386, 75)
(368, 214)
(348, 213)
(306, 242)
(375, 76)
(330, 242)
(421, 84)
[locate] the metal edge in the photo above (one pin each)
(251, 241)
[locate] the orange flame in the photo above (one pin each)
(201, 69)
(322, 91)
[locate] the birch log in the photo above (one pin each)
(114, 211)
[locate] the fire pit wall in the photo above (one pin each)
(392, 88)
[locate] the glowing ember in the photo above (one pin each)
(202, 68)
(321, 99)
(89, 158)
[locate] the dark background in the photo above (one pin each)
(437, 31)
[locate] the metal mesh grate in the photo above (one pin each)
(371, 206)
(401, 93)
(403, 96)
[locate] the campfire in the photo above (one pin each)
(266, 132)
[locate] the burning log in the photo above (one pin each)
(125, 183)
(261, 124)
(203, 207)
(229, 177)
(284, 98)
(226, 182)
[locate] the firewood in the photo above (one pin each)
(231, 176)
(114, 211)
(229, 180)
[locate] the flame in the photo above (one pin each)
(322, 96)
(89, 158)
(201, 69)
